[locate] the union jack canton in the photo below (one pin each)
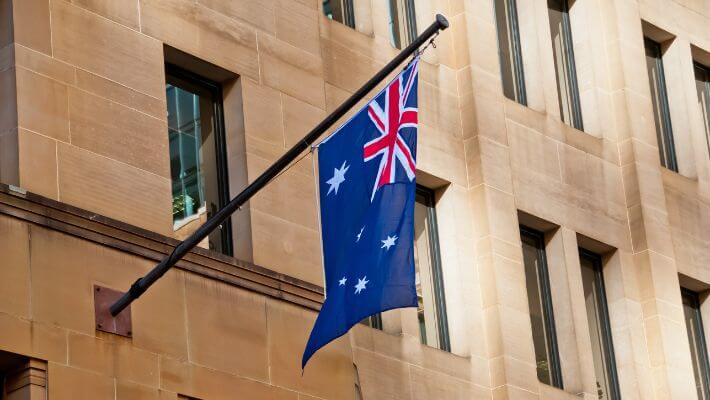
(367, 191)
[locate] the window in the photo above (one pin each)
(403, 22)
(542, 319)
(702, 83)
(431, 321)
(198, 165)
(659, 98)
(431, 313)
(511, 59)
(565, 70)
(340, 10)
(696, 339)
(599, 326)
(373, 321)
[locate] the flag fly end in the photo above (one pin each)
(367, 189)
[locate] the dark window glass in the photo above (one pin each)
(340, 10)
(403, 22)
(599, 327)
(696, 339)
(702, 84)
(659, 98)
(197, 155)
(431, 313)
(540, 302)
(567, 89)
(374, 321)
(511, 59)
(431, 319)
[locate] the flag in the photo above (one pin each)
(367, 193)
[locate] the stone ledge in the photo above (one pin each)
(131, 239)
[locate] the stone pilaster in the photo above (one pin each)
(28, 382)
(669, 370)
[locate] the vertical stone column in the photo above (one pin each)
(8, 92)
(570, 322)
(545, 57)
(693, 143)
(498, 259)
(586, 374)
(680, 79)
(20, 148)
(532, 46)
(28, 382)
(363, 16)
(663, 358)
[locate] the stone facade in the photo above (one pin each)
(83, 130)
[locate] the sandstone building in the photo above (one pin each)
(563, 216)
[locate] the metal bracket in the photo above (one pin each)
(105, 322)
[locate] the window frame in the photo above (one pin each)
(604, 321)
(411, 19)
(577, 121)
(664, 133)
(348, 12)
(538, 238)
(705, 110)
(373, 321)
(700, 338)
(220, 139)
(402, 35)
(429, 196)
(442, 321)
(516, 49)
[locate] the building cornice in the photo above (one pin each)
(130, 239)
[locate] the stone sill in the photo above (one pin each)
(554, 128)
(680, 183)
(124, 237)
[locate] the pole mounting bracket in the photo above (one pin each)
(120, 324)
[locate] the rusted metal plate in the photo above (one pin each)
(105, 322)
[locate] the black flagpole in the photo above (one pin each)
(142, 284)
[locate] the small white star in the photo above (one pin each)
(361, 285)
(389, 242)
(359, 234)
(342, 281)
(337, 179)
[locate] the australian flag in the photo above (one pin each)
(367, 191)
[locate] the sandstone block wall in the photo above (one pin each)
(82, 121)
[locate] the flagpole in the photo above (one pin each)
(142, 284)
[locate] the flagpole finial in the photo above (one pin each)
(441, 24)
(442, 21)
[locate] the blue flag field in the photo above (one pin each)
(367, 192)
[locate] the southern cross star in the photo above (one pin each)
(359, 235)
(389, 242)
(342, 281)
(361, 285)
(337, 179)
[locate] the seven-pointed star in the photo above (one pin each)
(361, 285)
(337, 179)
(389, 242)
(342, 281)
